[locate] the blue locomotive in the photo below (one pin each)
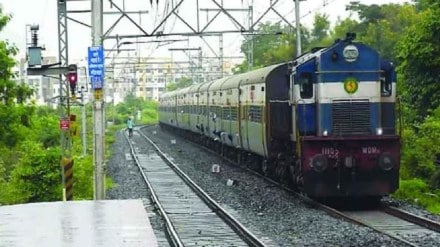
(325, 122)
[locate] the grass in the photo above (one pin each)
(416, 191)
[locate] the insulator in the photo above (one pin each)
(34, 39)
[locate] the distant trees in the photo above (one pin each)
(181, 83)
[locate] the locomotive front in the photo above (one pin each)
(345, 122)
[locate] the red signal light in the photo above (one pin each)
(72, 77)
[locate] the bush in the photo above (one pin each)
(36, 177)
(83, 178)
(418, 192)
(421, 144)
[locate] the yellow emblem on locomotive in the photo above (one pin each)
(351, 85)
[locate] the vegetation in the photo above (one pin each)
(181, 83)
(406, 34)
(133, 107)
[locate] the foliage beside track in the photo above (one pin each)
(131, 107)
(416, 191)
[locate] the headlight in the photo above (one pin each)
(379, 131)
(386, 161)
(325, 133)
(319, 163)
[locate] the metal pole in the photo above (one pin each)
(221, 55)
(200, 68)
(83, 122)
(251, 37)
(64, 105)
(298, 29)
(98, 109)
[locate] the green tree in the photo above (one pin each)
(181, 83)
(11, 93)
(419, 54)
(271, 43)
(421, 146)
(380, 26)
(425, 4)
(319, 34)
(343, 27)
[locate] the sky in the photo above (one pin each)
(44, 13)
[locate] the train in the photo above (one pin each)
(326, 122)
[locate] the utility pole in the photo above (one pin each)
(251, 37)
(298, 29)
(98, 108)
(83, 122)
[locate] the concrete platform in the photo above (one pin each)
(77, 223)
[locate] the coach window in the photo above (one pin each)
(306, 85)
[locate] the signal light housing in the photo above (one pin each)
(72, 77)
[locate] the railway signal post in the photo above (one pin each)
(70, 72)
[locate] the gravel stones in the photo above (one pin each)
(275, 216)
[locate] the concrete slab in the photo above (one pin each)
(77, 223)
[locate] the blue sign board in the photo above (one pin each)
(96, 66)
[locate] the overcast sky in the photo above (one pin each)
(44, 13)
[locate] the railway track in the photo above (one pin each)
(400, 225)
(393, 222)
(191, 217)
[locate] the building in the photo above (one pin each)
(148, 77)
(45, 87)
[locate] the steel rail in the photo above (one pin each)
(240, 229)
(171, 231)
(421, 221)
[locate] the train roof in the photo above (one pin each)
(217, 84)
(205, 86)
(194, 88)
(183, 90)
(234, 81)
(259, 75)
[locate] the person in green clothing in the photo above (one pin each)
(130, 124)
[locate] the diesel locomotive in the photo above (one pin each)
(325, 122)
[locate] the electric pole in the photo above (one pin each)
(83, 122)
(298, 29)
(98, 107)
(251, 38)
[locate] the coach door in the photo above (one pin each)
(239, 114)
(244, 115)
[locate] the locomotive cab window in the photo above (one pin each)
(306, 85)
(385, 84)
